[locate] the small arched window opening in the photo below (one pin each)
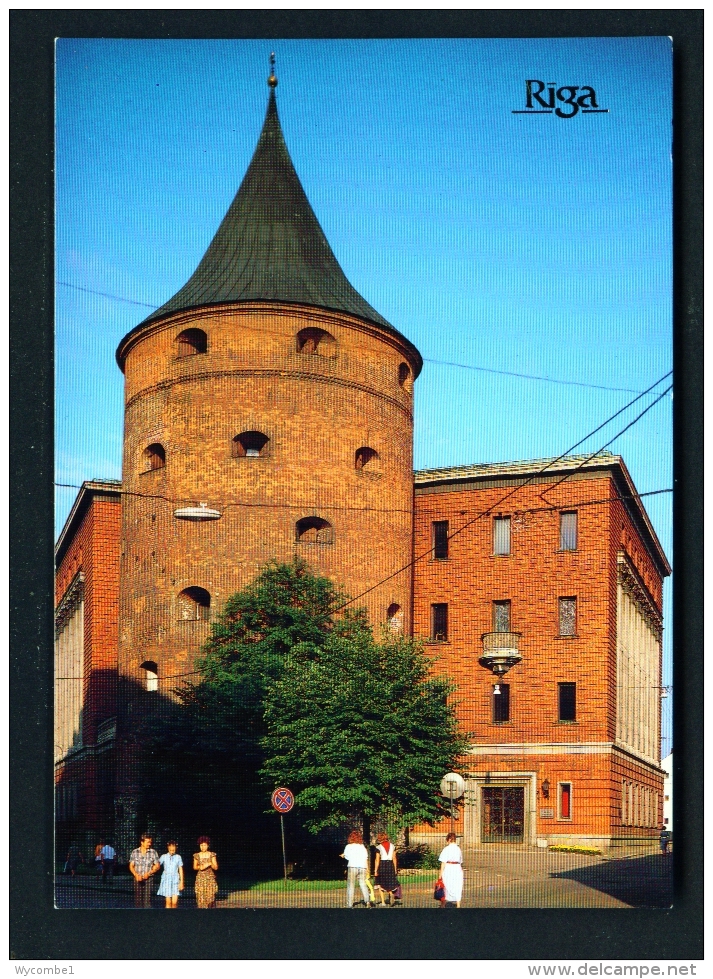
(194, 604)
(192, 342)
(154, 456)
(250, 444)
(151, 670)
(312, 340)
(395, 617)
(314, 530)
(365, 458)
(404, 375)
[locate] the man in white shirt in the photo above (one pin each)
(108, 855)
(357, 857)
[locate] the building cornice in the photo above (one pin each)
(544, 748)
(634, 587)
(90, 488)
(71, 599)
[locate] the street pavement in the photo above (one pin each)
(493, 878)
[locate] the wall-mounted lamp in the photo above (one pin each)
(545, 789)
(197, 514)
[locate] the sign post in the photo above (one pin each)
(282, 801)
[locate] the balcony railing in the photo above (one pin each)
(106, 731)
(501, 651)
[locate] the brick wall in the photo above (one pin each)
(94, 550)
(317, 411)
(533, 577)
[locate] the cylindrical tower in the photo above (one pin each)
(269, 391)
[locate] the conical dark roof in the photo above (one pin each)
(270, 245)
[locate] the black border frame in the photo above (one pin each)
(39, 931)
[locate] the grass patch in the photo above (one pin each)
(590, 850)
(291, 886)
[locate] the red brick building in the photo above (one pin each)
(269, 412)
(552, 568)
(86, 634)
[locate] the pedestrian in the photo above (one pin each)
(172, 877)
(664, 839)
(357, 857)
(205, 863)
(108, 855)
(385, 870)
(143, 864)
(451, 860)
(98, 857)
(74, 858)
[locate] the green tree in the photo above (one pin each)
(291, 692)
(360, 728)
(200, 754)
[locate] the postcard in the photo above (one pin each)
(364, 474)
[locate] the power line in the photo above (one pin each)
(429, 360)
(549, 465)
(529, 377)
(517, 489)
(625, 429)
(331, 506)
(107, 295)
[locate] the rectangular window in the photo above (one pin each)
(501, 535)
(630, 803)
(567, 701)
(568, 531)
(501, 616)
(568, 616)
(565, 800)
(439, 622)
(501, 704)
(440, 540)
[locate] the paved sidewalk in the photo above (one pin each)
(493, 879)
(525, 879)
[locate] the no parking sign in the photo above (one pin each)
(282, 800)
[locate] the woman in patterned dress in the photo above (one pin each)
(172, 877)
(205, 864)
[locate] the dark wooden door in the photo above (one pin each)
(503, 819)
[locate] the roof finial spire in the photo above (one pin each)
(272, 80)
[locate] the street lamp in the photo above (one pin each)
(500, 653)
(453, 786)
(197, 514)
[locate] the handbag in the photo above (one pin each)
(439, 891)
(397, 892)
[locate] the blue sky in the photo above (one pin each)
(520, 243)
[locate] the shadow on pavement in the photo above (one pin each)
(641, 882)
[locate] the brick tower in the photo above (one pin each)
(268, 413)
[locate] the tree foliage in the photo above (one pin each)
(292, 693)
(361, 728)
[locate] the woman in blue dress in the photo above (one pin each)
(172, 877)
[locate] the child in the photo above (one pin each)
(172, 877)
